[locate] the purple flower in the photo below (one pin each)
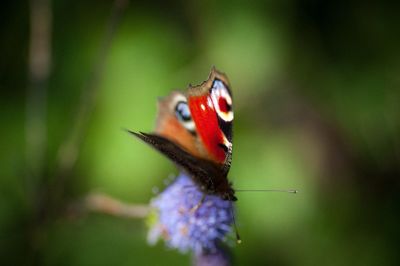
(219, 257)
(186, 222)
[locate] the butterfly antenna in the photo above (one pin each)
(292, 191)
(238, 240)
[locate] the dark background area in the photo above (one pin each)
(316, 98)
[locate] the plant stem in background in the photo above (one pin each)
(102, 203)
(39, 67)
(69, 150)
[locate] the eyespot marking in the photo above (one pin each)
(182, 112)
(222, 101)
(223, 105)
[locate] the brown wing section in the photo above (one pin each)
(205, 86)
(168, 125)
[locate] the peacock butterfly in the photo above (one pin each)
(194, 130)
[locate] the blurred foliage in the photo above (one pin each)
(316, 88)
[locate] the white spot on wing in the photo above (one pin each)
(210, 103)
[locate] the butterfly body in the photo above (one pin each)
(194, 130)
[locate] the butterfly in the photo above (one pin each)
(194, 130)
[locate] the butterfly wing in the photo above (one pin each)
(211, 108)
(194, 130)
(204, 171)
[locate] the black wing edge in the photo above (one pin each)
(199, 168)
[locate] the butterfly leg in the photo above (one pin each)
(198, 205)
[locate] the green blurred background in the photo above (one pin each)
(316, 95)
